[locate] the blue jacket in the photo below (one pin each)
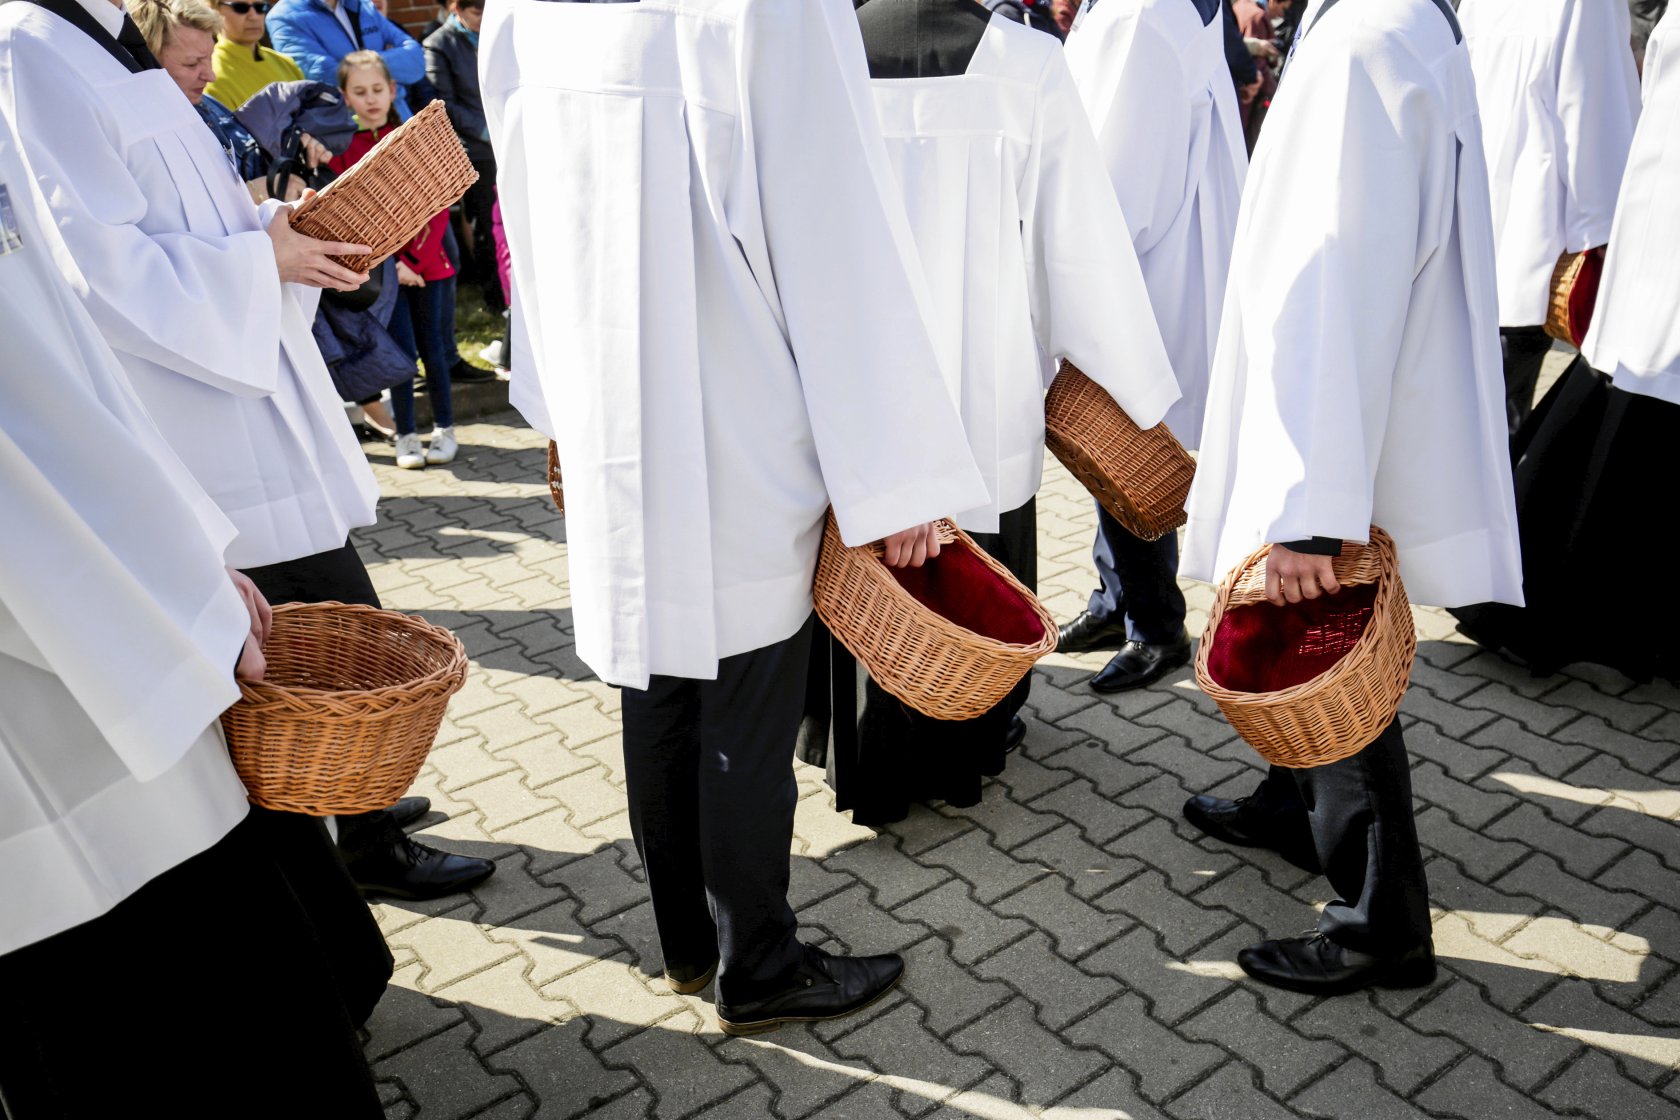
(312, 35)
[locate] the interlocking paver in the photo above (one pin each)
(1070, 940)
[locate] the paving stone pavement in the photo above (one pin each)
(1071, 940)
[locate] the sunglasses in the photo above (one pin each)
(242, 8)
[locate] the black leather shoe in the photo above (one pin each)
(408, 810)
(687, 979)
(1318, 966)
(1140, 663)
(1015, 736)
(1235, 822)
(406, 869)
(1087, 633)
(825, 987)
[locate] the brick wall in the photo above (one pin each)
(412, 15)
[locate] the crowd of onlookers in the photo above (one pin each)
(248, 66)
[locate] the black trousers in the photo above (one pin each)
(476, 205)
(1359, 811)
(709, 768)
(1525, 352)
(882, 756)
(179, 1030)
(357, 950)
(1138, 580)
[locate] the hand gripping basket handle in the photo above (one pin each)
(1358, 564)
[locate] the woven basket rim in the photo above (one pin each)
(880, 575)
(264, 692)
(1361, 650)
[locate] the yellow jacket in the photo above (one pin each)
(240, 72)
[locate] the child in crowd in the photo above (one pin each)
(424, 320)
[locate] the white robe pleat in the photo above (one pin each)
(1559, 98)
(1154, 81)
(720, 319)
(119, 628)
(1635, 335)
(1026, 254)
(170, 256)
(1358, 377)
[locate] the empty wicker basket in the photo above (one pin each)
(1141, 477)
(950, 638)
(348, 710)
(556, 486)
(1574, 294)
(393, 191)
(1317, 681)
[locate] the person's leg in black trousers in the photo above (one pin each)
(475, 209)
(1525, 352)
(379, 856)
(1141, 578)
(709, 768)
(1358, 812)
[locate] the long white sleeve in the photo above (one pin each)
(1598, 106)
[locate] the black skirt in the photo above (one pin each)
(207, 992)
(1589, 463)
(881, 756)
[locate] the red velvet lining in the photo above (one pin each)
(957, 585)
(1584, 296)
(1263, 648)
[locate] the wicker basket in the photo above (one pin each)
(1313, 682)
(914, 628)
(348, 710)
(1141, 477)
(556, 486)
(1574, 294)
(393, 191)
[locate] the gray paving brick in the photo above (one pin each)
(1473, 806)
(1060, 991)
(1646, 755)
(1643, 1055)
(1229, 1094)
(1593, 1086)
(1074, 926)
(900, 1043)
(1525, 1056)
(684, 1073)
(443, 1076)
(1579, 853)
(883, 864)
(948, 993)
(1545, 753)
(1113, 1096)
(1283, 1058)
(1353, 1086)
(1472, 1090)
(1403, 1056)
(860, 925)
(1096, 817)
(1040, 1062)
(971, 929)
(1540, 876)
(1163, 1062)
(1439, 832)
(989, 871)
(872, 1100)
(1188, 866)
(1087, 869)
(800, 1070)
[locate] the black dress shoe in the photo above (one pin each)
(1087, 633)
(687, 979)
(464, 372)
(1015, 736)
(825, 987)
(406, 869)
(1318, 966)
(408, 810)
(1140, 663)
(1236, 822)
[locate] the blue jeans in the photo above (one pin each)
(423, 324)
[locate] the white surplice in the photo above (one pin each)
(119, 628)
(1154, 80)
(168, 252)
(1559, 98)
(720, 319)
(1025, 253)
(1635, 335)
(1358, 376)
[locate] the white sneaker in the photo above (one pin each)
(442, 448)
(410, 455)
(494, 354)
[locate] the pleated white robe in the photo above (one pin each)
(119, 628)
(168, 253)
(1559, 97)
(1358, 376)
(1635, 335)
(1026, 254)
(719, 315)
(1154, 81)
